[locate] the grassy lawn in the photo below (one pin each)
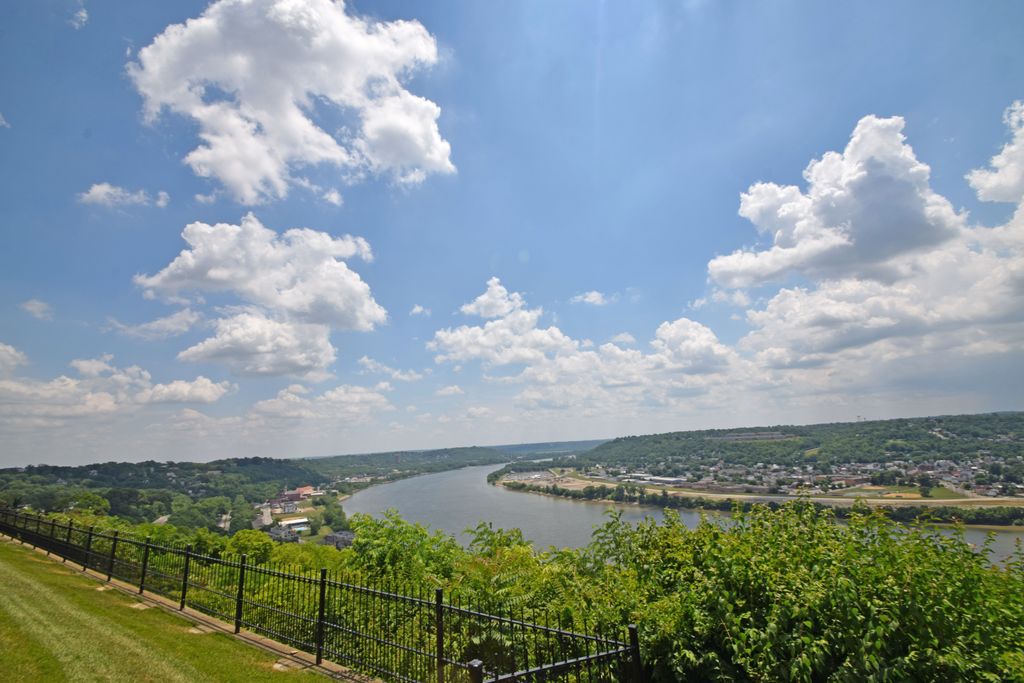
(56, 625)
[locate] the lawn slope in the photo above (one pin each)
(56, 625)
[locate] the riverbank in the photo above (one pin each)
(998, 514)
(576, 481)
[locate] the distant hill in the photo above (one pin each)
(550, 447)
(952, 437)
(380, 464)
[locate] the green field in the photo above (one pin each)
(903, 492)
(57, 625)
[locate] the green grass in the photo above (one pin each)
(56, 626)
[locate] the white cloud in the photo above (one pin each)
(332, 196)
(400, 375)
(450, 390)
(345, 403)
(593, 297)
(251, 75)
(294, 288)
(101, 390)
(1004, 181)
(863, 210)
(558, 372)
(172, 325)
(419, 310)
(300, 273)
(111, 196)
(957, 297)
(624, 338)
(513, 338)
(252, 344)
(10, 358)
(80, 18)
(3, 122)
(199, 390)
(40, 310)
(495, 302)
(476, 412)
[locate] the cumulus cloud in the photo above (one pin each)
(3, 122)
(200, 390)
(372, 365)
(863, 209)
(293, 288)
(177, 323)
(593, 297)
(112, 196)
(301, 273)
(950, 299)
(1004, 180)
(624, 338)
(100, 389)
(450, 390)
(260, 76)
(495, 302)
(419, 310)
(557, 372)
(10, 358)
(40, 310)
(250, 343)
(344, 403)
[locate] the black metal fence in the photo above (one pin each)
(396, 635)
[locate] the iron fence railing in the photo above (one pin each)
(388, 632)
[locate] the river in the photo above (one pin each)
(456, 500)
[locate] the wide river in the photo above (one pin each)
(457, 500)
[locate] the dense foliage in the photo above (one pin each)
(776, 595)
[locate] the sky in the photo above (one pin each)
(302, 227)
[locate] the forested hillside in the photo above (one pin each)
(955, 438)
(209, 495)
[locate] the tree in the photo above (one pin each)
(256, 544)
(925, 484)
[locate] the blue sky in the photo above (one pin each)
(612, 218)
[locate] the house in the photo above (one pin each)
(283, 535)
(295, 523)
(340, 539)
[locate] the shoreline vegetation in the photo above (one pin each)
(1005, 514)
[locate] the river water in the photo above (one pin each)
(457, 500)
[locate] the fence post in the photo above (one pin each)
(241, 588)
(634, 651)
(113, 554)
(320, 618)
(476, 671)
(88, 549)
(145, 565)
(439, 631)
(67, 542)
(184, 576)
(53, 534)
